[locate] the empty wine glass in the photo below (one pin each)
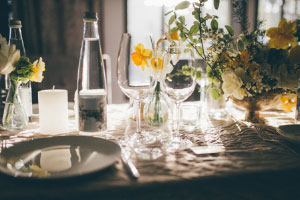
(179, 85)
(133, 57)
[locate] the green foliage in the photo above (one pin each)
(172, 19)
(230, 30)
(214, 92)
(216, 4)
(182, 5)
(199, 74)
(214, 24)
(23, 70)
(241, 45)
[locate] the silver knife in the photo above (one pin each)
(130, 168)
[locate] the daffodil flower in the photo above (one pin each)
(157, 63)
(140, 56)
(283, 35)
(288, 103)
(174, 36)
(38, 68)
(9, 55)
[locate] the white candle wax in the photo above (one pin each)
(53, 111)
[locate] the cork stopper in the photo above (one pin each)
(90, 17)
(15, 23)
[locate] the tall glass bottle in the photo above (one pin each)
(25, 91)
(90, 96)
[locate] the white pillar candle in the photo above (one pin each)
(53, 111)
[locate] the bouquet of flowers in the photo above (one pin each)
(20, 69)
(247, 66)
(157, 64)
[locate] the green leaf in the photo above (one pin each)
(172, 19)
(199, 50)
(230, 30)
(226, 37)
(182, 19)
(182, 36)
(194, 29)
(214, 24)
(190, 37)
(241, 45)
(198, 74)
(214, 93)
(216, 4)
(182, 5)
(174, 29)
(168, 12)
(186, 50)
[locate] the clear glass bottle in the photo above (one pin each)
(25, 91)
(90, 96)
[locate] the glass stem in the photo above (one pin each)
(138, 119)
(177, 119)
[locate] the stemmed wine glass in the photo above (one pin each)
(133, 81)
(179, 85)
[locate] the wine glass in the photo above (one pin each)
(134, 56)
(179, 85)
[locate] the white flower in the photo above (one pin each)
(160, 74)
(232, 85)
(9, 55)
(38, 68)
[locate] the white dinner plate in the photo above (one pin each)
(291, 132)
(59, 157)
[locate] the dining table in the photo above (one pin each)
(229, 159)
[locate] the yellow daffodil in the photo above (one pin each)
(288, 103)
(174, 36)
(141, 55)
(157, 64)
(38, 68)
(283, 35)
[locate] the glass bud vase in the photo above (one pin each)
(14, 116)
(156, 108)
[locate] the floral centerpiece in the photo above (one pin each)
(254, 69)
(156, 62)
(20, 69)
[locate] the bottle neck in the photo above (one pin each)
(15, 37)
(90, 30)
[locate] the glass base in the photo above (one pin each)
(177, 143)
(145, 145)
(218, 114)
(148, 152)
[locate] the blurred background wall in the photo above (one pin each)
(53, 29)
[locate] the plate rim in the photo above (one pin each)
(8, 150)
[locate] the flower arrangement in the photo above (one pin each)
(249, 65)
(20, 69)
(157, 64)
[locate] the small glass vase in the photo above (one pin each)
(14, 115)
(156, 108)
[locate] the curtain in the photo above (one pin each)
(53, 30)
